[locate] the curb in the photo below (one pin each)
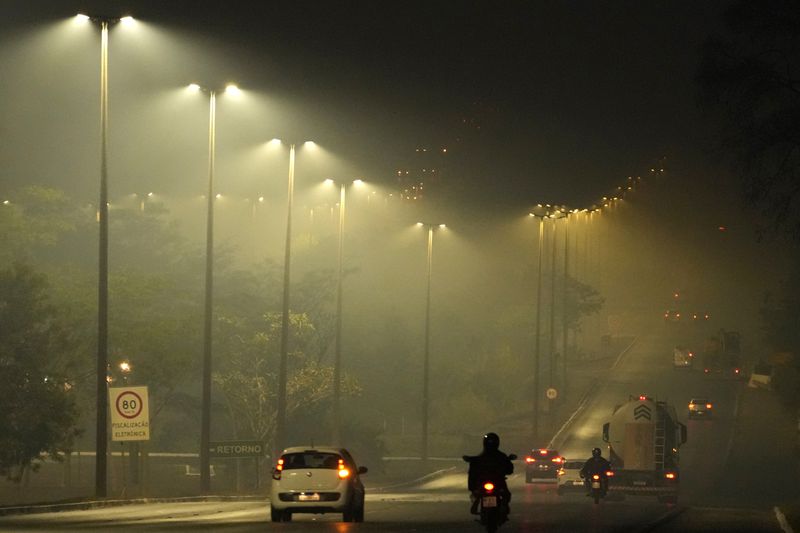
(98, 504)
(663, 519)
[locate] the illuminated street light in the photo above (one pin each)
(280, 422)
(337, 365)
(541, 213)
(101, 439)
(205, 418)
(426, 359)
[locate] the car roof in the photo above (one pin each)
(312, 449)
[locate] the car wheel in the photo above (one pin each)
(276, 514)
(347, 514)
(358, 513)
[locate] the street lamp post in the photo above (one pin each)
(205, 417)
(426, 359)
(280, 423)
(537, 334)
(101, 437)
(337, 362)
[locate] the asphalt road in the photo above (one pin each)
(441, 504)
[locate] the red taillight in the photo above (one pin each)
(609, 473)
(488, 487)
(561, 471)
(595, 477)
(530, 460)
(708, 406)
(735, 370)
(542, 452)
(276, 474)
(691, 354)
(344, 473)
(705, 371)
(557, 459)
(642, 397)
(669, 475)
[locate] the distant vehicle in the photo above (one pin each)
(317, 480)
(722, 356)
(682, 357)
(644, 437)
(672, 315)
(542, 466)
(700, 408)
(569, 476)
(700, 316)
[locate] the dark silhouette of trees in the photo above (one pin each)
(749, 79)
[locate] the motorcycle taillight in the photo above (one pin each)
(488, 487)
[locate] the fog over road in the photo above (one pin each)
(442, 505)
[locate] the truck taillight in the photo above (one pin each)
(708, 406)
(670, 475)
(595, 477)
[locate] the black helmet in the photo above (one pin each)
(491, 441)
(596, 452)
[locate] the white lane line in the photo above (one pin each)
(785, 526)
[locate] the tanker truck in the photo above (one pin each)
(644, 437)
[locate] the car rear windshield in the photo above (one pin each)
(311, 460)
(699, 401)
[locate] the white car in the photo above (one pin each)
(317, 480)
(569, 476)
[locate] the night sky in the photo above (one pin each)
(534, 101)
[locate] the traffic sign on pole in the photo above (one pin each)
(130, 414)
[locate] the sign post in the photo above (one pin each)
(130, 413)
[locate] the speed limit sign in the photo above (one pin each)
(130, 417)
(551, 393)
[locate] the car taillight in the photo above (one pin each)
(488, 487)
(595, 477)
(344, 473)
(705, 371)
(708, 406)
(557, 459)
(609, 473)
(735, 370)
(530, 460)
(276, 473)
(542, 452)
(670, 475)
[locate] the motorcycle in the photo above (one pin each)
(492, 503)
(599, 485)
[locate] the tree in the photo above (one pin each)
(249, 377)
(750, 79)
(38, 414)
(581, 300)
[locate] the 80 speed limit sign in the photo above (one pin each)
(130, 418)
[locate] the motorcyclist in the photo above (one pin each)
(596, 464)
(490, 465)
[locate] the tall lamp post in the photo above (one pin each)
(280, 422)
(540, 212)
(426, 359)
(205, 418)
(337, 362)
(101, 439)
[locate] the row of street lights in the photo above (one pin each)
(102, 353)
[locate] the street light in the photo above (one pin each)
(337, 363)
(426, 360)
(540, 212)
(205, 418)
(101, 438)
(280, 422)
